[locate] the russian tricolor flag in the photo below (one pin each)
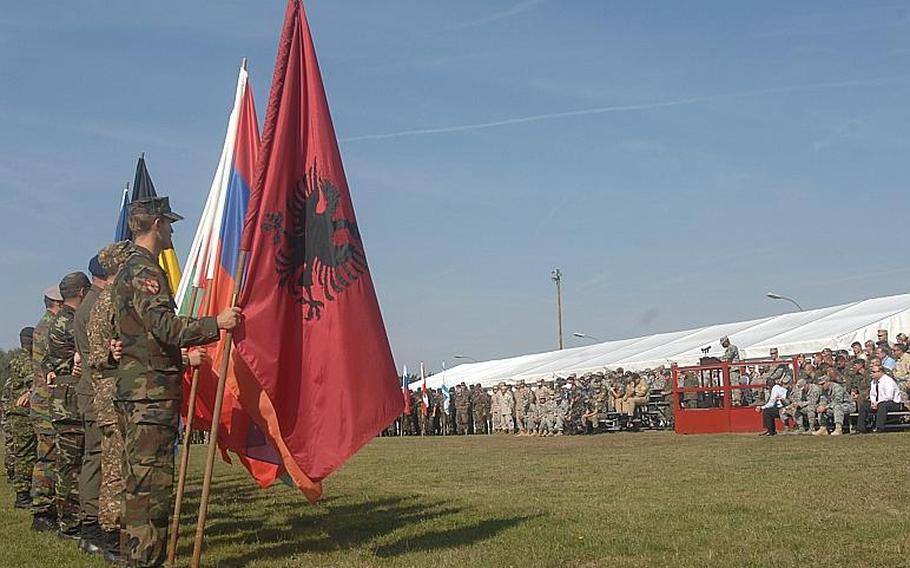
(208, 286)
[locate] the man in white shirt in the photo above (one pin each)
(884, 396)
(771, 409)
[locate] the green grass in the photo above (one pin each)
(648, 499)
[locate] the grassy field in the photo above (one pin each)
(648, 499)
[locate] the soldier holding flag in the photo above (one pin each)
(149, 378)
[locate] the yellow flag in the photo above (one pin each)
(171, 266)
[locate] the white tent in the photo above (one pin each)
(835, 327)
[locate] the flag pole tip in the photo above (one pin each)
(243, 63)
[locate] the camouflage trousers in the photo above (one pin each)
(111, 494)
(70, 446)
(837, 412)
(44, 473)
(506, 422)
(462, 419)
(149, 430)
(21, 447)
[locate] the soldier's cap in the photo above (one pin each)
(53, 293)
(27, 333)
(95, 268)
(521, 381)
(73, 283)
(724, 339)
(114, 255)
(155, 206)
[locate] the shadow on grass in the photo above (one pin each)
(277, 526)
(462, 536)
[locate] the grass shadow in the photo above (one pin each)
(462, 536)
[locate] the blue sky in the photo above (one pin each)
(674, 160)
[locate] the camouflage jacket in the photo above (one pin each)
(837, 394)
(39, 348)
(152, 334)
(18, 382)
(61, 344)
(812, 395)
(100, 331)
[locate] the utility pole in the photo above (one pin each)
(556, 275)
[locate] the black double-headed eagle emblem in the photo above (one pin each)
(315, 250)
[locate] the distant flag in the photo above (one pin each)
(445, 389)
(405, 391)
(313, 363)
(142, 188)
(424, 394)
(122, 232)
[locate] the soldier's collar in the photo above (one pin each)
(143, 251)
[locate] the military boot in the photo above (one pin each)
(838, 430)
(91, 538)
(822, 431)
(23, 500)
(44, 522)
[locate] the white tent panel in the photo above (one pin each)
(836, 327)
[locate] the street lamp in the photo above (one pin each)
(465, 357)
(580, 335)
(776, 296)
(556, 276)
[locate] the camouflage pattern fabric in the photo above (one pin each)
(44, 473)
(21, 441)
(112, 458)
(102, 367)
(148, 393)
(66, 418)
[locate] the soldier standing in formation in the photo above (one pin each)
(90, 474)
(62, 368)
(149, 383)
(101, 368)
(44, 509)
(21, 442)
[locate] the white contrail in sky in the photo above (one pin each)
(621, 108)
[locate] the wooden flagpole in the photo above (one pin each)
(185, 450)
(216, 422)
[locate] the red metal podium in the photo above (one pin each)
(718, 404)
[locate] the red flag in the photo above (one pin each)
(313, 364)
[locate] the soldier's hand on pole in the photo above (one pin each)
(23, 401)
(228, 318)
(77, 364)
(198, 357)
(116, 349)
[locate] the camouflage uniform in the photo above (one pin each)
(505, 409)
(44, 474)
(808, 406)
(102, 368)
(90, 469)
(522, 406)
(148, 393)
(21, 442)
(462, 408)
(65, 418)
(839, 404)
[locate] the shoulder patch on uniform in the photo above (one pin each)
(147, 284)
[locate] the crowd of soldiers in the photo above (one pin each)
(586, 404)
(91, 405)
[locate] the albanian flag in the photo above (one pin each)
(313, 364)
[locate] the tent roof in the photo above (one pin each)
(835, 327)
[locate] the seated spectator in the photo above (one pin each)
(884, 397)
(636, 395)
(771, 409)
(883, 354)
(836, 405)
(882, 335)
(857, 348)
